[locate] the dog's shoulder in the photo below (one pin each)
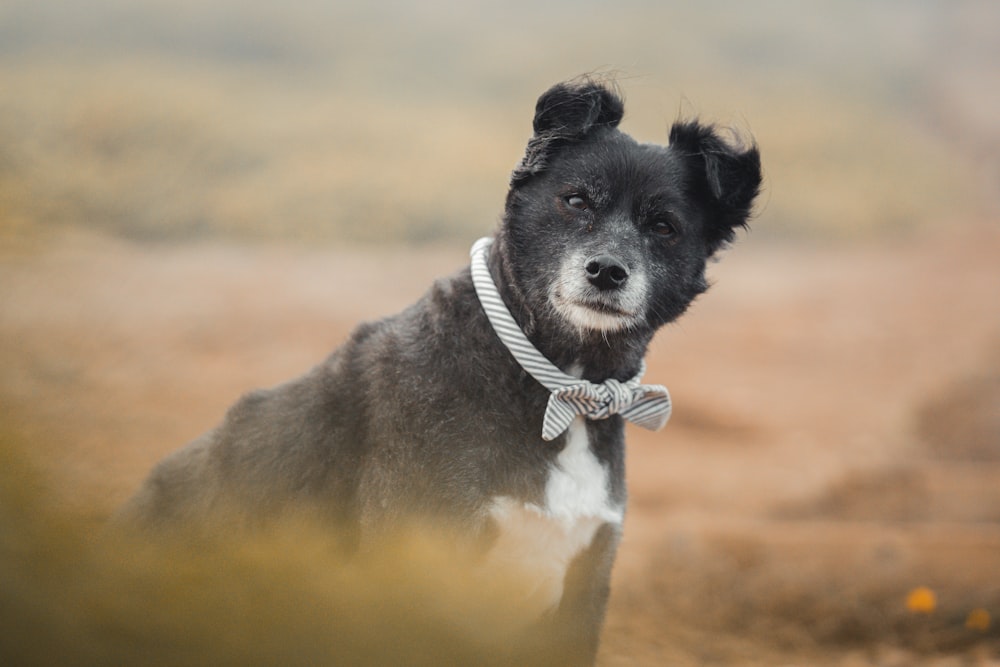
(446, 318)
(451, 300)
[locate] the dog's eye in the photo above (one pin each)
(665, 229)
(577, 202)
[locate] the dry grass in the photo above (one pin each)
(72, 593)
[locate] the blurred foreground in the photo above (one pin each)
(284, 596)
(835, 447)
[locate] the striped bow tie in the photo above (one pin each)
(647, 405)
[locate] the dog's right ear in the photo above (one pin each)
(565, 113)
(726, 177)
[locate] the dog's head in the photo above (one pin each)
(604, 234)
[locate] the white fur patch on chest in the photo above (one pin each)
(538, 543)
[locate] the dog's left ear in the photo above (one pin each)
(725, 176)
(565, 113)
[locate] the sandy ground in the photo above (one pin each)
(835, 442)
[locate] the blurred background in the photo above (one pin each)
(201, 198)
(399, 121)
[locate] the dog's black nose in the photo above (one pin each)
(606, 272)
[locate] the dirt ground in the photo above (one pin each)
(834, 450)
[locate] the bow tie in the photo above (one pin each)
(647, 405)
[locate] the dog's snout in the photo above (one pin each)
(606, 272)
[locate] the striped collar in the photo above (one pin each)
(645, 405)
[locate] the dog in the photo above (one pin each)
(431, 414)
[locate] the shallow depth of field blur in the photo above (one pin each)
(197, 199)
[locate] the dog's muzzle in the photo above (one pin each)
(599, 292)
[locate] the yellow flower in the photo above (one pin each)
(978, 619)
(921, 600)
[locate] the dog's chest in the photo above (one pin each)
(537, 543)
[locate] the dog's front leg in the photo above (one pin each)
(576, 624)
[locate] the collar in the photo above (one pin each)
(645, 405)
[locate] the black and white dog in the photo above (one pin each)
(436, 413)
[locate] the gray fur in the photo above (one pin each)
(425, 414)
